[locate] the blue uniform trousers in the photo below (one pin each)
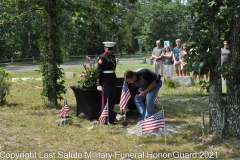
(109, 93)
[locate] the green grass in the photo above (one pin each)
(27, 125)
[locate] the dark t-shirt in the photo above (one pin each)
(144, 77)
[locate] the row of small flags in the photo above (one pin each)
(154, 122)
(65, 109)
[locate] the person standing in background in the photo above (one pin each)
(168, 63)
(183, 57)
(225, 53)
(177, 63)
(107, 79)
(158, 58)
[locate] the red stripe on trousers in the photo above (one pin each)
(103, 104)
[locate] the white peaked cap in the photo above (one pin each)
(109, 44)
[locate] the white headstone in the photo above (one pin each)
(69, 75)
(184, 80)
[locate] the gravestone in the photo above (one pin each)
(64, 121)
(184, 80)
(69, 75)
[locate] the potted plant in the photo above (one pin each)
(88, 76)
(88, 98)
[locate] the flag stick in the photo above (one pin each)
(164, 127)
(108, 111)
(125, 111)
(64, 103)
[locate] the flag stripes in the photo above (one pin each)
(65, 109)
(125, 96)
(104, 115)
(154, 122)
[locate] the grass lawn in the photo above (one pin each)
(28, 127)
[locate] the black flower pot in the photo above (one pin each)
(88, 102)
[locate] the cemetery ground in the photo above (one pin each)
(29, 126)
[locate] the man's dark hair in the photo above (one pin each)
(128, 74)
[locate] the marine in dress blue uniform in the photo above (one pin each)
(107, 79)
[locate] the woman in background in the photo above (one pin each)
(168, 61)
(183, 56)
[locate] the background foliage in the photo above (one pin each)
(86, 24)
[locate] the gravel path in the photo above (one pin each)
(30, 68)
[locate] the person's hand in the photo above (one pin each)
(99, 88)
(141, 93)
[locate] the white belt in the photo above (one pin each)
(112, 71)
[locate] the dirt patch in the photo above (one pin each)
(169, 129)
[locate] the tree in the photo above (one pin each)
(52, 55)
(216, 21)
(29, 27)
(20, 28)
(159, 20)
(231, 112)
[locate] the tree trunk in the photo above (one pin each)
(215, 85)
(30, 42)
(233, 83)
(52, 41)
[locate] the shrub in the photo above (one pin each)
(170, 83)
(5, 83)
(204, 86)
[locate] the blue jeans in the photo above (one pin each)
(148, 109)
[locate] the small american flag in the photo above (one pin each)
(125, 96)
(104, 115)
(154, 122)
(65, 109)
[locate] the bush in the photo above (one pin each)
(204, 85)
(5, 83)
(170, 83)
